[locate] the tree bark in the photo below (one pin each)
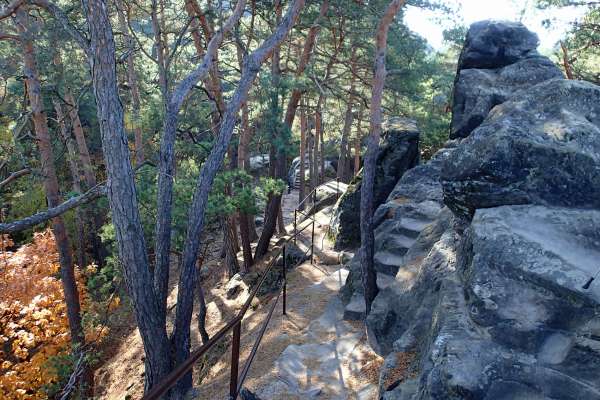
(369, 276)
(252, 64)
(302, 188)
(122, 194)
(566, 62)
(357, 140)
(160, 51)
(167, 160)
(76, 176)
(343, 160)
(14, 176)
(53, 212)
(50, 182)
(84, 153)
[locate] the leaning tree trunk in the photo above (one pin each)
(252, 64)
(50, 182)
(166, 165)
(369, 277)
(122, 194)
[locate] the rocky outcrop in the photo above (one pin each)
(499, 59)
(490, 300)
(398, 153)
(403, 229)
(541, 147)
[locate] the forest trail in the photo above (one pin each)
(309, 352)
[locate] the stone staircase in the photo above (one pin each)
(407, 215)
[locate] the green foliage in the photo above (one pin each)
(582, 41)
(236, 191)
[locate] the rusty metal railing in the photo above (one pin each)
(235, 325)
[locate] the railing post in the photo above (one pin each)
(284, 278)
(235, 360)
(295, 225)
(312, 242)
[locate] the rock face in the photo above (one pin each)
(399, 152)
(488, 300)
(541, 147)
(499, 59)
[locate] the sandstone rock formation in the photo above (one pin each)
(499, 59)
(399, 152)
(490, 300)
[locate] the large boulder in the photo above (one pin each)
(541, 147)
(495, 44)
(398, 153)
(499, 59)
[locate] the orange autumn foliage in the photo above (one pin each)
(33, 320)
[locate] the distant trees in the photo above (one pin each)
(579, 52)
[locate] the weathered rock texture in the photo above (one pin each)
(499, 59)
(541, 147)
(399, 152)
(489, 300)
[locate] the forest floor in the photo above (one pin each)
(310, 352)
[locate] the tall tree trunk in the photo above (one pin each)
(166, 165)
(369, 276)
(122, 194)
(320, 155)
(302, 188)
(84, 153)
(160, 51)
(51, 187)
(94, 218)
(76, 176)
(357, 140)
(133, 85)
(252, 64)
(230, 252)
(343, 160)
(270, 220)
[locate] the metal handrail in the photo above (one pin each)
(236, 382)
(314, 191)
(298, 210)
